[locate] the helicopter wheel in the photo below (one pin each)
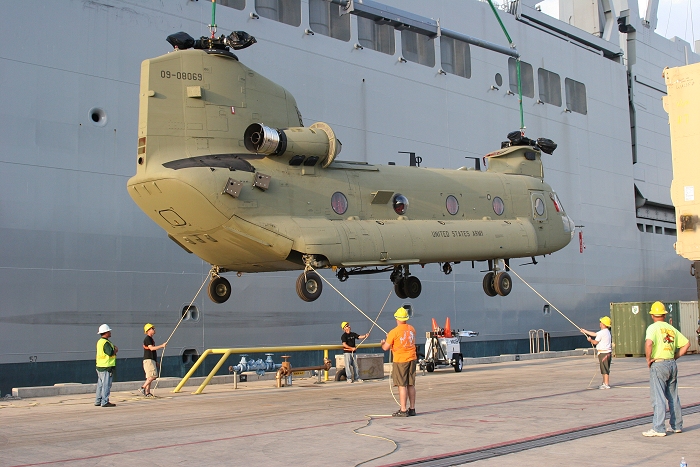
(503, 284)
(489, 285)
(399, 288)
(412, 286)
(219, 290)
(309, 286)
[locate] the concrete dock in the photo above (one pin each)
(519, 413)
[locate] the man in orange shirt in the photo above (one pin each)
(402, 342)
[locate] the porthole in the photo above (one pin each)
(499, 80)
(97, 116)
(452, 205)
(339, 203)
(400, 204)
(539, 206)
(498, 206)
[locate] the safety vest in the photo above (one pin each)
(103, 360)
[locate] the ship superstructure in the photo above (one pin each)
(77, 252)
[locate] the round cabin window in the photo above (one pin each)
(452, 205)
(400, 204)
(498, 206)
(339, 203)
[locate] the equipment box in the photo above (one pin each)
(629, 325)
(371, 365)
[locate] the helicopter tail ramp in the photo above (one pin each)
(683, 107)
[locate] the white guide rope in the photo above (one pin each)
(160, 369)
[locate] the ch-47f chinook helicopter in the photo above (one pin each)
(226, 168)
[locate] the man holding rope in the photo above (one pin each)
(603, 344)
(150, 357)
(402, 342)
(352, 371)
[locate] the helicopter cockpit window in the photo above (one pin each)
(539, 206)
(400, 204)
(452, 205)
(498, 206)
(339, 203)
(557, 203)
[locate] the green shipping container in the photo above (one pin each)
(629, 324)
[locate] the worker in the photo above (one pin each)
(352, 372)
(402, 342)
(663, 346)
(150, 358)
(106, 363)
(603, 344)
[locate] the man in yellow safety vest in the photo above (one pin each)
(105, 362)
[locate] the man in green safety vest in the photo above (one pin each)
(106, 362)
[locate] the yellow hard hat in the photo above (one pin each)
(343, 324)
(658, 308)
(606, 321)
(401, 314)
(147, 326)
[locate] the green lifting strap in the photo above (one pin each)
(517, 66)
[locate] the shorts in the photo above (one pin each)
(149, 367)
(404, 373)
(604, 359)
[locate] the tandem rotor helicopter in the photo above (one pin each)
(227, 169)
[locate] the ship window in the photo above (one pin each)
(455, 57)
(650, 228)
(575, 96)
(339, 203)
(417, 48)
(668, 231)
(640, 227)
(452, 205)
(379, 37)
(550, 87)
(324, 18)
(499, 207)
(526, 78)
(237, 4)
(400, 204)
(284, 11)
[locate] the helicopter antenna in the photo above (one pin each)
(517, 63)
(212, 28)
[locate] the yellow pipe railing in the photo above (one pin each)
(227, 352)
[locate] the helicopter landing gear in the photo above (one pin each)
(309, 286)
(405, 285)
(219, 288)
(497, 282)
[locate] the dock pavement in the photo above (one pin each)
(514, 413)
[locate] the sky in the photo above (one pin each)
(675, 17)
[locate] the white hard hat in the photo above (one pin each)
(104, 328)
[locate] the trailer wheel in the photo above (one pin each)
(458, 362)
(430, 366)
(340, 375)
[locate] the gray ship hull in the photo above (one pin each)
(77, 252)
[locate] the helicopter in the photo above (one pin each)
(226, 167)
